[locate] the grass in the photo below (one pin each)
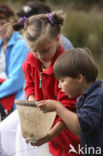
(85, 29)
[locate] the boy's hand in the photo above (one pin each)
(57, 129)
(42, 141)
(48, 105)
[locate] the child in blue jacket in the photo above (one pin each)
(13, 51)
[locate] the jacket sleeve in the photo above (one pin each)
(90, 115)
(66, 43)
(29, 85)
(69, 103)
(15, 76)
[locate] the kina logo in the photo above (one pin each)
(72, 149)
(85, 150)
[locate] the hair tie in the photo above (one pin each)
(22, 22)
(51, 19)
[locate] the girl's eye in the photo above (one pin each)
(34, 51)
(42, 51)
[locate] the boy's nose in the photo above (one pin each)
(59, 85)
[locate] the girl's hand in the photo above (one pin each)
(31, 98)
(48, 105)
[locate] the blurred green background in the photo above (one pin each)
(83, 23)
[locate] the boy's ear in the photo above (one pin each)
(80, 77)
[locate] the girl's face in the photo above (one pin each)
(3, 28)
(44, 50)
(72, 87)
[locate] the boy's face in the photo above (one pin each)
(72, 87)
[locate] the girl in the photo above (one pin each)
(42, 33)
(39, 7)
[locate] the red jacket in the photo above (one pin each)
(7, 102)
(43, 85)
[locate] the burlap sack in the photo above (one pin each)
(34, 123)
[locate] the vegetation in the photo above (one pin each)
(83, 23)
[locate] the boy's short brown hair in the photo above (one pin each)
(73, 62)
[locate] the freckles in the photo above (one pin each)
(64, 86)
(66, 89)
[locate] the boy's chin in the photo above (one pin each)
(67, 95)
(70, 96)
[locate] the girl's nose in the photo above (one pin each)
(39, 56)
(36, 55)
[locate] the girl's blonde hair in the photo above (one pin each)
(40, 25)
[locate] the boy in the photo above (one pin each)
(77, 75)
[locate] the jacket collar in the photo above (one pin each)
(95, 85)
(35, 62)
(0, 42)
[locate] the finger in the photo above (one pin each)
(38, 144)
(44, 111)
(33, 144)
(41, 103)
(27, 141)
(42, 108)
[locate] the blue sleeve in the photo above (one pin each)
(65, 42)
(15, 76)
(90, 115)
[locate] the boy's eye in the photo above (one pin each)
(62, 80)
